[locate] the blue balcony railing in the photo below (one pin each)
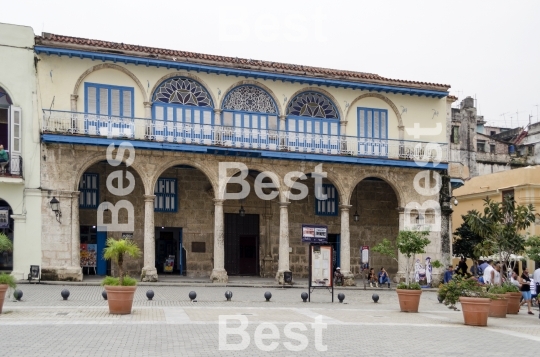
(72, 123)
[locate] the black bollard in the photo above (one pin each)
(65, 294)
(304, 296)
(341, 297)
(228, 295)
(104, 294)
(375, 298)
(268, 295)
(192, 295)
(150, 294)
(17, 294)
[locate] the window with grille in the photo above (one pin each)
(166, 195)
(481, 146)
(108, 100)
(89, 188)
(328, 207)
(455, 135)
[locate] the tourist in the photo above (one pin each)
(383, 277)
(449, 274)
(525, 282)
(372, 279)
(489, 273)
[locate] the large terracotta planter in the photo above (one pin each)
(513, 302)
(409, 299)
(498, 307)
(3, 289)
(120, 299)
(475, 310)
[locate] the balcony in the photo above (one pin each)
(242, 139)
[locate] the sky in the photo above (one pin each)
(489, 50)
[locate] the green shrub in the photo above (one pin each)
(8, 280)
(462, 286)
(112, 281)
(497, 289)
(510, 288)
(411, 286)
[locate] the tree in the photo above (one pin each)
(408, 243)
(5, 243)
(533, 248)
(499, 226)
(116, 251)
(465, 241)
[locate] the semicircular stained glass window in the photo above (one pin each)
(183, 91)
(250, 99)
(312, 104)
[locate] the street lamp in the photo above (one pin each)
(356, 216)
(242, 211)
(55, 206)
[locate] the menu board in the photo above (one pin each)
(321, 265)
(314, 233)
(88, 255)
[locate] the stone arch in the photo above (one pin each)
(334, 180)
(186, 75)
(101, 157)
(384, 99)
(318, 90)
(9, 204)
(210, 174)
(110, 66)
(8, 92)
(253, 83)
(395, 187)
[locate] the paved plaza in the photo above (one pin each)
(42, 324)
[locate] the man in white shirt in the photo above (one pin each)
(536, 279)
(489, 273)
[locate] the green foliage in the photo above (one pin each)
(7, 279)
(385, 247)
(437, 264)
(465, 241)
(497, 289)
(499, 226)
(5, 243)
(116, 250)
(461, 286)
(510, 288)
(411, 286)
(112, 281)
(533, 248)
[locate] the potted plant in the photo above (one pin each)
(499, 302)
(6, 280)
(408, 243)
(513, 296)
(120, 290)
(475, 301)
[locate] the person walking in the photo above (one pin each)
(525, 282)
(489, 273)
(536, 278)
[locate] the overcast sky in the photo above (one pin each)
(487, 49)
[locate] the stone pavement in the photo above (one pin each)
(42, 324)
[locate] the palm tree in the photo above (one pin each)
(116, 251)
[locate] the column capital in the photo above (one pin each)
(343, 122)
(284, 204)
(282, 116)
(149, 198)
(218, 201)
(400, 209)
(21, 218)
(267, 216)
(217, 110)
(74, 96)
(147, 104)
(75, 194)
(345, 207)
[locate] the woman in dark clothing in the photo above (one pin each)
(372, 278)
(525, 282)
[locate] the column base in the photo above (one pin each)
(280, 278)
(348, 279)
(219, 276)
(268, 262)
(149, 274)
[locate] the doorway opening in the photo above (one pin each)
(92, 245)
(334, 241)
(6, 227)
(242, 244)
(170, 253)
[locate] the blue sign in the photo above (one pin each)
(314, 233)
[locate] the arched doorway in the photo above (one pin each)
(375, 203)
(10, 136)
(6, 227)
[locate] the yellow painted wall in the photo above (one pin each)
(66, 71)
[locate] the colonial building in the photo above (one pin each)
(20, 196)
(378, 143)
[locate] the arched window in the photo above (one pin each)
(313, 124)
(183, 112)
(249, 106)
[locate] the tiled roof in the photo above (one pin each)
(48, 39)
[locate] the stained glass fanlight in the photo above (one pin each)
(312, 104)
(250, 99)
(183, 91)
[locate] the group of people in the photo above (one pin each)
(489, 273)
(381, 278)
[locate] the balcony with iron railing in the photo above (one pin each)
(12, 167)
(93, 125)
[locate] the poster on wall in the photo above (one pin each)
(4, 217)
(314, 233)
(364, 256)
(88, 255)
(321, 265)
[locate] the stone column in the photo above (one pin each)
(75, 231)
(283, 129)
(21, 258)
(402, 260)
(345, 247)
(149, 271)
(217, 116)
(283, 262)
(147, 115)
(74, 117)
(268, 260)
(219, 274)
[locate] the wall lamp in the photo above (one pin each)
(55, 206)
(455, 202)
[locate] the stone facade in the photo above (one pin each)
(375, 192)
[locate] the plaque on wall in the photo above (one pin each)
(198, 247)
